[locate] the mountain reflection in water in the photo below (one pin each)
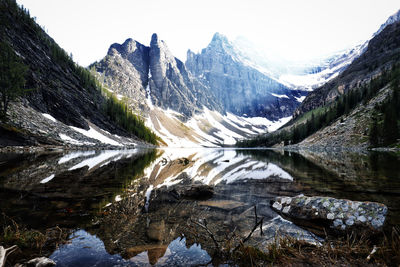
(125, 209)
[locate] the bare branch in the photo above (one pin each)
(209, 233)
(4, 254)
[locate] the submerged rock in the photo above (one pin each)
(337, 214)
(41, 262)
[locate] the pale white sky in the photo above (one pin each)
(295, 29)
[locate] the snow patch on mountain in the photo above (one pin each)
(92, 133)
(279, 96)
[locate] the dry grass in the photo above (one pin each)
(352, 250)
(31, 243)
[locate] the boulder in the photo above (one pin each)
(326, 213)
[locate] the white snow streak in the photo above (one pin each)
(92, 133)
(48, 116)
(300, 99)
(45, 180)
(92, 162)
(279, 96)
(73, 155)
(70, 140)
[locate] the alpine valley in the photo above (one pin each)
(229, 157)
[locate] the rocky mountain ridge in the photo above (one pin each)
(375, 56)
(242, 89)
(185, 108)
(343, 113)
(63, 107)
(151, 75)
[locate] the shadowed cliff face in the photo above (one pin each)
(242, 89)
(52, 83)
(153, 76)
(132, 80)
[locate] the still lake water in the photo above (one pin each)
(124, 207)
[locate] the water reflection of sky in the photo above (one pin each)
(85, 249)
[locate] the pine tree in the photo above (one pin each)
(12, 77)
(373, 134)
(390, 128)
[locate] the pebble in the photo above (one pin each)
(337, 222)
(286, 200)
(361, 218)
(330, 216)
(349, 222)
(277, 205)
(286, 209)
(376, 223)
(355, 205)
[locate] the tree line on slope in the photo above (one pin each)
(383, 131)
(385, 118)
(13, 71)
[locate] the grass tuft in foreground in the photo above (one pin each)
(352, 250)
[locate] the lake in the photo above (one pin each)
(134, 207)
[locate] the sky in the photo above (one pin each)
(297, 30)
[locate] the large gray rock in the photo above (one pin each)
(338, 214)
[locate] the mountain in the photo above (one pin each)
(242, 88)
(151, 75)
(64, 105)
(357, 109)
(305, 75)
(186, 109)
(316, 74)
(392, 19)
(313, 75)
(374, 57)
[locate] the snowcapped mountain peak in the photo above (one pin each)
(218, 37)
(392, 19)
(221, 43)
